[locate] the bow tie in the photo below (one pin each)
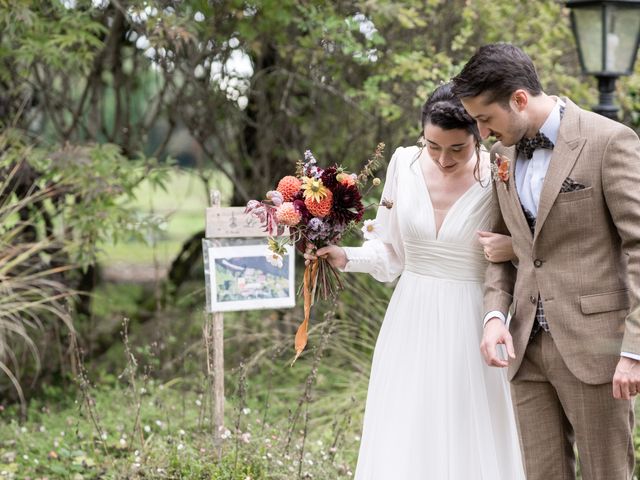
(527, 146)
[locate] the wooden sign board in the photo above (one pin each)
(232, 222)
(238, 275)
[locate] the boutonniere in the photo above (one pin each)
(500, 169)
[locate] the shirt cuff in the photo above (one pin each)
(494, 314)
(358, 259)
(630, 355)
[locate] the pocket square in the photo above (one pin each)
(570, 185)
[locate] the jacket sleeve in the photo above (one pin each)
(499, 277)
(621, 186)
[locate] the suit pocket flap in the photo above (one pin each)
(605, 302)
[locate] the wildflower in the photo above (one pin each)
(147, 428)
(245, 437)
(180, 446)
(198, 402)
(370, 229)
(182, 433)
(225, 434)
(314, 188)
(376, 181)
(246, 411)
(309, 158)
(275, 259)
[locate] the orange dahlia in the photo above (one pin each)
(286, 214)
(288, 187)
(319, 208)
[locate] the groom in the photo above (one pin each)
(567, 189)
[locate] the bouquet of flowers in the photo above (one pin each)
(311, 209)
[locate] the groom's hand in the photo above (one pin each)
(495, 333)
(626, 380)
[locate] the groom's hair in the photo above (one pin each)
(497, 70)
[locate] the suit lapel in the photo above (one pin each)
(511, 191)
(565, 153)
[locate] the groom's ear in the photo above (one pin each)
(519, 100)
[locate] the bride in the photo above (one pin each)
(434, 409)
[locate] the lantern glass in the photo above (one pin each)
(614, 50)
(623, 25)
(588, 27)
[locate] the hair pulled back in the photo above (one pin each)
(443, 109)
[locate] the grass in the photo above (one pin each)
(180, 208)
(132, 423)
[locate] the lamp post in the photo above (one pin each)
(607, 33)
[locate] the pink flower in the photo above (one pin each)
(286, 214)
(276, 197)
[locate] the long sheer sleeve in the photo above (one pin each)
(382, 257)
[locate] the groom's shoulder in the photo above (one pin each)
(595, 124)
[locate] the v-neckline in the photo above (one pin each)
(437, 230)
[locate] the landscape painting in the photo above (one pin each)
(242, 278)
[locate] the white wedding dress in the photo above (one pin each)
(435, 410)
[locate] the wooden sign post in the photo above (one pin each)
(242, 238)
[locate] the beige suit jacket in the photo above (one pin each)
(584, 256)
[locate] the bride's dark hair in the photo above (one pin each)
(445, 110)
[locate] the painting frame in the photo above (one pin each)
(238, 276)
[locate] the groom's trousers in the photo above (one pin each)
(554, 409)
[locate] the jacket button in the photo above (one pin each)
(533, 299)
(537, 263)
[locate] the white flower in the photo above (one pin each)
(370, 229)
(180, 446)
(245, 437)
(275, 259)
(246, 411)
(225, 434)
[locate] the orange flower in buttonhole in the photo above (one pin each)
(500, 169)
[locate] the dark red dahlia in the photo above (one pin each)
(347, 204)
(329, 177)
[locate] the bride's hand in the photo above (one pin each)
(497, 247)
(334, 254)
